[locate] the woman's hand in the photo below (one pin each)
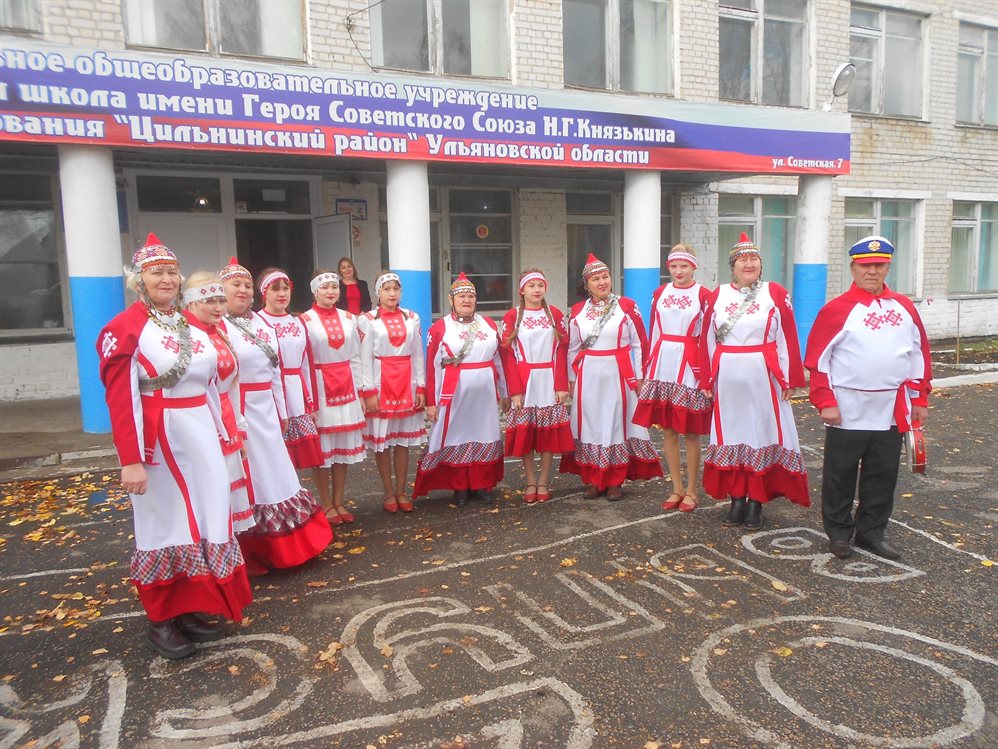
(284, 426)
(504, 404)
(708, 394)
(516, 401)
(830, 416)
(637, 385)
(371, 404)
(789, 393)
(133, 478)
(431, 413)
(242, 452)
(561, 396)
(420, 400)
(315, 417)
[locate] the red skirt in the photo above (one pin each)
(163, 600)
(289, 549)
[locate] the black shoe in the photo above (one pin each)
(880, 548)
(840, 547)
(199, 628)
(461, 497)
(753, 515)
(167, 640)
(482, 495)
(736, 514)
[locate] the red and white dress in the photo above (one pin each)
(609, 446)
(754, 451)
(290, 525)
(541, 352)
(393, 368)
(670, 394)
(301, 436)
(333, 364)
(186, 558)
(465, 442)
(240, 503)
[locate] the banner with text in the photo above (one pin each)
(52, 94)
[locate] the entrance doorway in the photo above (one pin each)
(589, 235)
(280, 243)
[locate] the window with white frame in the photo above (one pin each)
(451, 37)
(618, 44)
(251, 28)
(20, 15)
(974, 249)
(762, 47)
(886, 48)
(31, 298)
(893, 219)
(769, 221)
(977, 76)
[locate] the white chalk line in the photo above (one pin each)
(939, 541)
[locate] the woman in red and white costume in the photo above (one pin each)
(393, 387)
(333, 364)
(290, 526)
(300, 434)
(204, 298)
(750, 364)
(159, 376)
(606, 345)
(670, 396)
(537, 335)
(466, 375)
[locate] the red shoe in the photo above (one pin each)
(689, 503)
(675, 499)
(345, 516)
(543, 496)
(403, 502)
(333, 516)
(389, 504)
(530, 496)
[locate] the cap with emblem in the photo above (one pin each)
(871, 250)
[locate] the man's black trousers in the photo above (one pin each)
(875, 458)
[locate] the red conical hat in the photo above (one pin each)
(593, 265)
(744, 246)
(152, 253)
(462, 284)
(233, 269)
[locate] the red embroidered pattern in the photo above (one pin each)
(676, 301)
(894, 318)
(481, 335)
(753, 308)
(535, 321)
(226, 361)
(171, 344)
(197, 347)
(731, 308)
(290, 330)
(873, 321)
(395, 325)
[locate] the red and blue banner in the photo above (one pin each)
(51, 94)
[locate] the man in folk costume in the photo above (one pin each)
(465, 378)
(607, 345)
(870, 379)
(159, 374)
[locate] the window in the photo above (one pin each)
(886, 48)
(640, 29)
(977, 76)
(30, 278)
(20, 15)
(974, 253)
(762, 47)
(452, 37)
(255, 28)
(162, 194)
(893, 219)
(481, 244)
(770, 221)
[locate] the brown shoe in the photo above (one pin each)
(591, 492)
(614, 494)
(840, 547)
(167, 640)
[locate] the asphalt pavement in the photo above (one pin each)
(575, 623)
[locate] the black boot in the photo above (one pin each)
(482, 495)
(199, 628)
(736, 514)
(753, 517)
(461, 497)
(167, 640)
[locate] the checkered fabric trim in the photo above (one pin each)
(300, 428)
(458, 455)
(757, 460)
(285, 516)
(539, 417)
(619, 454)
(656, 391)
(203, 559)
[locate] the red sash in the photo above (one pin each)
(526, 367)
(452, 373)
(396, 383)
(337, 382)
(768, 351)
(153, 406)
(229, 420)
(300, 374)
(246, 387)
(901, 406)
(623, 355)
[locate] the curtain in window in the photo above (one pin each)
(645, 46)
(178, 24)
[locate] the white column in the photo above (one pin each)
(642, 235)
(814, 211)
(93, 257)
(408, 197)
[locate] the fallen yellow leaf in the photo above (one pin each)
(330, 653)
(987, 563)
(234, 670)
(356, 550)
(653, 745)
(84, 719)
(568, 561)
(316, 584)
(387, 651)
(784, 652)
(60, 677)
(780, 586)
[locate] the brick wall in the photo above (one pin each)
(698, 227)
(45, 370)
(537, 50)
(84, 23)
(542, 240)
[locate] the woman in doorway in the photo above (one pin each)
(670, 396)
(159, 374)
(606, 340)
(204, 297)
(463, 371)
(300, 435)
(334, 371)
(290, 526)
(538, 338)
(354, 296)
(750, 364)
(394, 387)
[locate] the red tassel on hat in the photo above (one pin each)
(592, 259)
(152, 240)
(233, 260)
(744, 238)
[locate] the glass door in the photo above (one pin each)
(585, 236)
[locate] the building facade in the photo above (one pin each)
(293, 132)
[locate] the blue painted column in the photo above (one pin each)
(93, 256)
(642, 236)
(408, 197)
(814, 210)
